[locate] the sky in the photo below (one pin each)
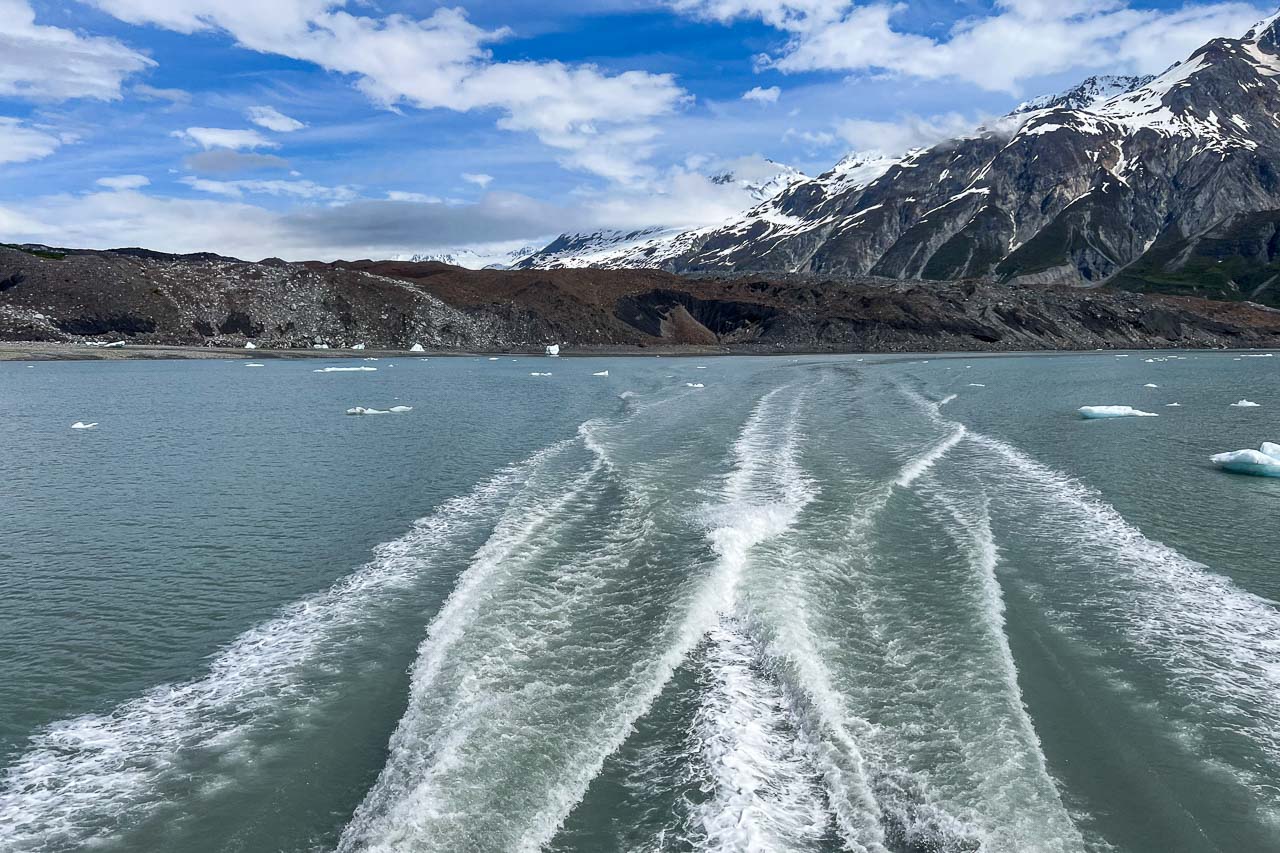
(382, 128)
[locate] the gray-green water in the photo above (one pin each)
(817, 604)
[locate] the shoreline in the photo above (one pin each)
(39, 351)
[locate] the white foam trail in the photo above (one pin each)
(922, 463)
(86, 777)
(765, 794)
(1022, 800)
(1218, 645)
(409, 808)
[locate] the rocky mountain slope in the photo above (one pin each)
(150, 298)
(1100, 182)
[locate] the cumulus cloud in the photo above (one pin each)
(1017, 41)
(51, 63)
(221, 137)
(480, 180)
(272, 119)
(225, 161)
(121, 183)
(763, 96)
(20, 144)
(599, 120)
(905, 132)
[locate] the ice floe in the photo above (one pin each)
(976, 385)
(1098, 412)
(1173, 405)
(361, 410)
(416, 348)
(1245, 404)
(553, 350)
(1259, 463)
(83, 425)
(399, 410)
(1151, 385)
(601, 373)
(539, 374)
(250, 345)
(253, 364)
(1261, 355)
(695, 385)
(344, 370)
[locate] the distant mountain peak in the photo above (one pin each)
(1087, 94)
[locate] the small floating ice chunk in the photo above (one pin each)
(601, 373)
(553, 350)
(253, 364)
(250, 345)
(361, 410)
(400, 410)
(695, 385)
(495, 358)
(416, 348)
(1259, 463)
(319, 346)
(1173, 405)
(539, 374)
(1261, 355)
(1245, 404)
(976, 385)
(1099, 412)
(701, 367)
(1151, 385)
(626, 395)
(357, 346)
(344, 370)
(83, 425)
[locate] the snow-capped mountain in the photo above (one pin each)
(1073, 191)
(473, 259)
(1089, 93)
(655, 247)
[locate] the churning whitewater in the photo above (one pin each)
(803, 606)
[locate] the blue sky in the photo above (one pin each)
(316, 128)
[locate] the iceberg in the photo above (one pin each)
(416, 348)
(1259, 463)
(357, 346)
(1245, 404)
(250, 345)
(553, 350)
(601, 373)
(400, 410)
(361, 410)
(83, 425)
(695, 385)
(319, 346)
(1098, 412)
(344, 370)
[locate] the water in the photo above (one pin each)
(820, 604)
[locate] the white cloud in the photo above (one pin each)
(19, 144)
(294, 189)
(220, 137)
(810, 138)
(763, 96)
(421, 198)
(480, 180)
(121, 183)
(1017, 41)
(272, 119)
(601, 121)
(905, 132)
(176, 97)
(51, 63)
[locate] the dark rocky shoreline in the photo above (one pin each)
(68, 298)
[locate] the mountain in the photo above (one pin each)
(62, 297)
(1091, 92)
(1127, 180)
(472, 259)
(655, 246)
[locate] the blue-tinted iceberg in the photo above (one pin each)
(1095, 412)
(1259, 463)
